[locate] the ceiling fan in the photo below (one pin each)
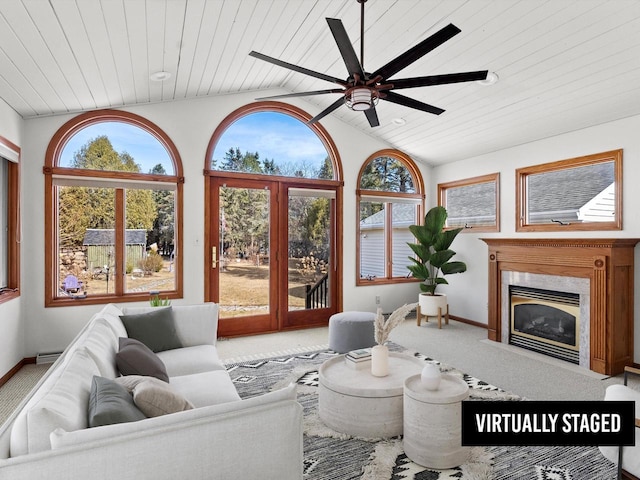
(362, 90)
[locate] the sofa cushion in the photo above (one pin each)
(154, 397)
(188, 360)
(206, 388)
(156, 329)
(135, 358)
(101, 344)
(110, 402)
(111, 314)
(62, 403)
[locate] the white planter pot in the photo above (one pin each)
(429, 304)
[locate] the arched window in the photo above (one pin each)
(273, 211)
(114, 207)
(390, 198)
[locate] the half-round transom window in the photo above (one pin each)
(116, 146)
(387, 174)
(272, 143)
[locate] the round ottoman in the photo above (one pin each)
(351, 331)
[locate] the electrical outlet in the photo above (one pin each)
(377, 299)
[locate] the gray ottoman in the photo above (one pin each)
(350, 331)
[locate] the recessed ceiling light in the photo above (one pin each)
(399, 121)
(492, 77)
(160, 76)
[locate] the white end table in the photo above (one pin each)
(432, 422)
(355, 402)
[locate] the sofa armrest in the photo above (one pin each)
(195, 324)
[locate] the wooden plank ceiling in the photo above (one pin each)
(563, 64)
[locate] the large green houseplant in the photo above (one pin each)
(433, 253)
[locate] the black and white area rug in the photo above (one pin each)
(329, 455)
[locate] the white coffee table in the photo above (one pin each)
(432, 422)
(357, 403)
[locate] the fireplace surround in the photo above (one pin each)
(606, 332)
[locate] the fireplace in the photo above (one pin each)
(545, 321)
(600, 270)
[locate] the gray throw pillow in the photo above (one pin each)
(111, 403)
(156, 329)
(135, 358)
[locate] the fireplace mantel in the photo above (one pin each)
(607, 263)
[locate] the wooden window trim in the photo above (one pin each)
(51, 168)
(594, 159)
(363, 194)
(13, 224)
(492, 177)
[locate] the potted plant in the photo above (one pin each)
(433, 259)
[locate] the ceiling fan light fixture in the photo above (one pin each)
(360, 99)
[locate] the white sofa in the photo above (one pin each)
(223, 437)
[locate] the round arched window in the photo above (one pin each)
(390, 198)
(114, 191)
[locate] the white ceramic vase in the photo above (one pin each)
(431, 376)
(380, 361)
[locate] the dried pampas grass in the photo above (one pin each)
(382, 327)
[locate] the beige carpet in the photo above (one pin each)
(12, 392)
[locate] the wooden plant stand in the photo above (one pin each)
(419, 316)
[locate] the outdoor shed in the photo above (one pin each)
(100, 242)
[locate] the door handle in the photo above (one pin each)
(214, 260)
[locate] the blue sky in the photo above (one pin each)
(275, 136)
(142, 146)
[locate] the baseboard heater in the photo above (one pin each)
(43, 358)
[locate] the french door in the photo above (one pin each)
(271, 256)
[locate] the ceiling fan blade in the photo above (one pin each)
(303, 94)
(346, 48)
(296, 68)
(438, 79)
(416, 52)
(372, 116)
(410, 102)
(327, 110)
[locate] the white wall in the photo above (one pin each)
(468, 292)
(190, 124)
(11, 332)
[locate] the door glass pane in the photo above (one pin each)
(149, 241)
(372, 240)
(243, 253)
(86, 241)
(309, 247)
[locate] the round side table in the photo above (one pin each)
(432, 422)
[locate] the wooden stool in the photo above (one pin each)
(439, 316)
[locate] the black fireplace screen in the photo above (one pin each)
(544, 321)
